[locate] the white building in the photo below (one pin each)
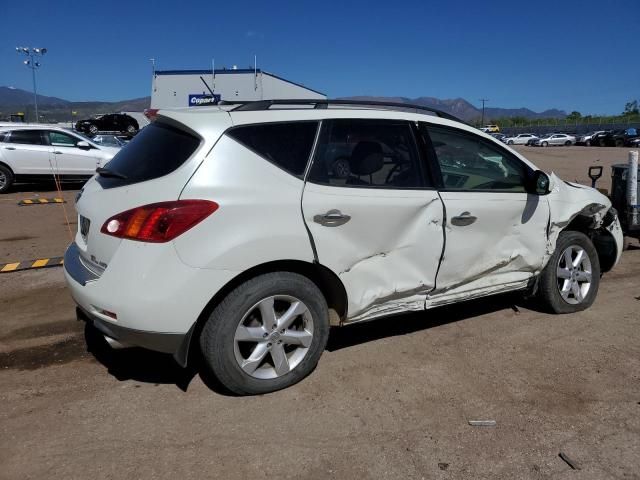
(193, 88)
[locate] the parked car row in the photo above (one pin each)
(629, 137)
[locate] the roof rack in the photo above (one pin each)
(258, 105)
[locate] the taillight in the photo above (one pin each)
(151, 113)
(158, 222)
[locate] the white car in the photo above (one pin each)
(33, 153)
(555, 139)
(230, 230)
(521, 139)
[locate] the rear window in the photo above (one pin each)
(287, 145)
(157, 150)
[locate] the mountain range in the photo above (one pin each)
(464, 110)
(14, 100)
(53, 109)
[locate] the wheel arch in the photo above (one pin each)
(326, 280)
(603, 241)
(6, 165)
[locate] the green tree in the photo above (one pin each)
(631, 108)
(573, 116)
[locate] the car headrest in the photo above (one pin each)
(366, 158)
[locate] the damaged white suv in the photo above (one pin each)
(247, 230)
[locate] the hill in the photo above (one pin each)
(53, 109)
(464, 110)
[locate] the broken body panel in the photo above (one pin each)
(406, 254)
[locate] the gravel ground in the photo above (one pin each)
(389, 399)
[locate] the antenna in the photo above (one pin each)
(255, 72)
(213, 73)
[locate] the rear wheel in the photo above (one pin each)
(93, 129)
(567, 143)
(131, 129)
(6, 179)
(569, 283)
(267, 334)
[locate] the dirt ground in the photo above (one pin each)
(389, 399)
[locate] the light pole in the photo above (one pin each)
(483, 100)
(33, 64)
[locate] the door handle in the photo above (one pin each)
(9, 148)
(464, 219)
(333, 218)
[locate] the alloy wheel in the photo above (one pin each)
(273, 337)
(574, 274)
(3, 180)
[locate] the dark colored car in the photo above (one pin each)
(113, 122)
(597, 140)
(619, 138)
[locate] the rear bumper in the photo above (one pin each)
(172, 343)
(146, 296)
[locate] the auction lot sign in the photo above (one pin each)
(203, 100)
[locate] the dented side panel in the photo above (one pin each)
(505, 245)
(387, 253)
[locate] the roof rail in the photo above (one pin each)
(258, 105)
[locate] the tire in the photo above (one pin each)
(545, 144)
(235, 333)
(93, 129)
(567, 143)
(588, 143)
(510, 142)
(550, 283)
(619, 143)
(6, 178)
(602, 143)
(131, 129)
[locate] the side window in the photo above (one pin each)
(58, 139)
(468, 162)
(26, 137)
(367, 153)
(287, 145)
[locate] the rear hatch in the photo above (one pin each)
(153, 167)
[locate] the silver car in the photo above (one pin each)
(556, 139)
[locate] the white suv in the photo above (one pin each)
(247, 231)
(32, 153)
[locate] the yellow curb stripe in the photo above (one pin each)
(31, 264)
(41, 201)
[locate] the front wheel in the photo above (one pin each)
(569, 283)
(93, 129)
(545, 144)
(588, 143)
(131, 129)
(267, 334)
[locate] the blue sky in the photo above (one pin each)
(573, 55)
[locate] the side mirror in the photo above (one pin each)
(82, 145)
(540, 183)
